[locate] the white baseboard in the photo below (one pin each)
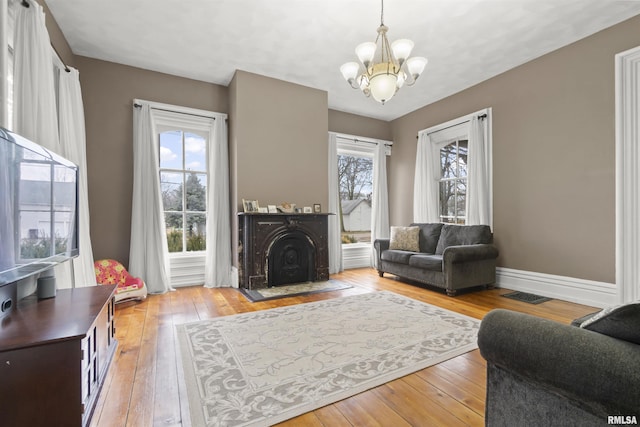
(235, 277)
(186, 270)
(356, 256)
(587, 292)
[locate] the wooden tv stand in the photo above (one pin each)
(54, 356)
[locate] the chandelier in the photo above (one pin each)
(387, 67)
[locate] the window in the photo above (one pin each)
(453, 182)
(356, 166)
(183, 182)
(458, 154)
(355, 176)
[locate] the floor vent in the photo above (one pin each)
(525, 297)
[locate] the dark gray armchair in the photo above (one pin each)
(544, 373)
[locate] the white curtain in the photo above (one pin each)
(35, 113)
(73, 144)
(218, 259)
(148, 251)
(425, 185)
(334, 240)
(478, 200)
(4, 65)
(380, 199)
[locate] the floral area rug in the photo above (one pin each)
(297, 289)
(263, 367)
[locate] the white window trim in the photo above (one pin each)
(360, 145)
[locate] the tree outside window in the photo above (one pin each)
(453, 182)
(183, 182)
(355, 177)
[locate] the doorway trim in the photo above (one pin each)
(627, 80)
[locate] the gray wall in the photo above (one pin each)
(352, 124)
(554, 148)
(108, 91)
(553, 155)
(278, 143)
(279, 140)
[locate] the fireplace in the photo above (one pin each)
(279, 249)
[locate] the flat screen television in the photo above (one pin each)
(38, 209)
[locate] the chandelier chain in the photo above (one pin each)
(382, 12)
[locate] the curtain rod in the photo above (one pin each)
(26, 4)
(359, 140)
(136, 105)
(481, 116)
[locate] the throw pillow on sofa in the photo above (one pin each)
(405, 238)
(622, 322)
(454, 235)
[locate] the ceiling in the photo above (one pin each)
(306, 41)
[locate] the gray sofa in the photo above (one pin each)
(449, 256)
(543, 373)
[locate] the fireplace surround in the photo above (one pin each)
(282, 248)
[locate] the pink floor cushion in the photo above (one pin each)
(111, 272)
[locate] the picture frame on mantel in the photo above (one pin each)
(317, 208)
(307, 209)
(250, 205)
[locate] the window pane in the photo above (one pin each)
(448, 161)
(461, 198)
(463, 152)
(171, 150)
(171, 187)
(196, 232)
(196, 196)
(355, 175)
(447, 198)
(174, 231)
(195, 152)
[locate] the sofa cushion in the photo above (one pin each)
(429, 235)
(405, 238)
(622, 322)
(427, 262)
(398, 256)
(454, 235)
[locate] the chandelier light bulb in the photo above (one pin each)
(416, 66)
(350, 71)
(382, 83)
(366, 52)
(402, 49)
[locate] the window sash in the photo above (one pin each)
(171, 122)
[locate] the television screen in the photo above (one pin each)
(38, 208)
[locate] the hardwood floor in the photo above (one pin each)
(142, 387)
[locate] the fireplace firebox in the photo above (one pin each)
(279, 249)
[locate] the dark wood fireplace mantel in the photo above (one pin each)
(265, 238)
